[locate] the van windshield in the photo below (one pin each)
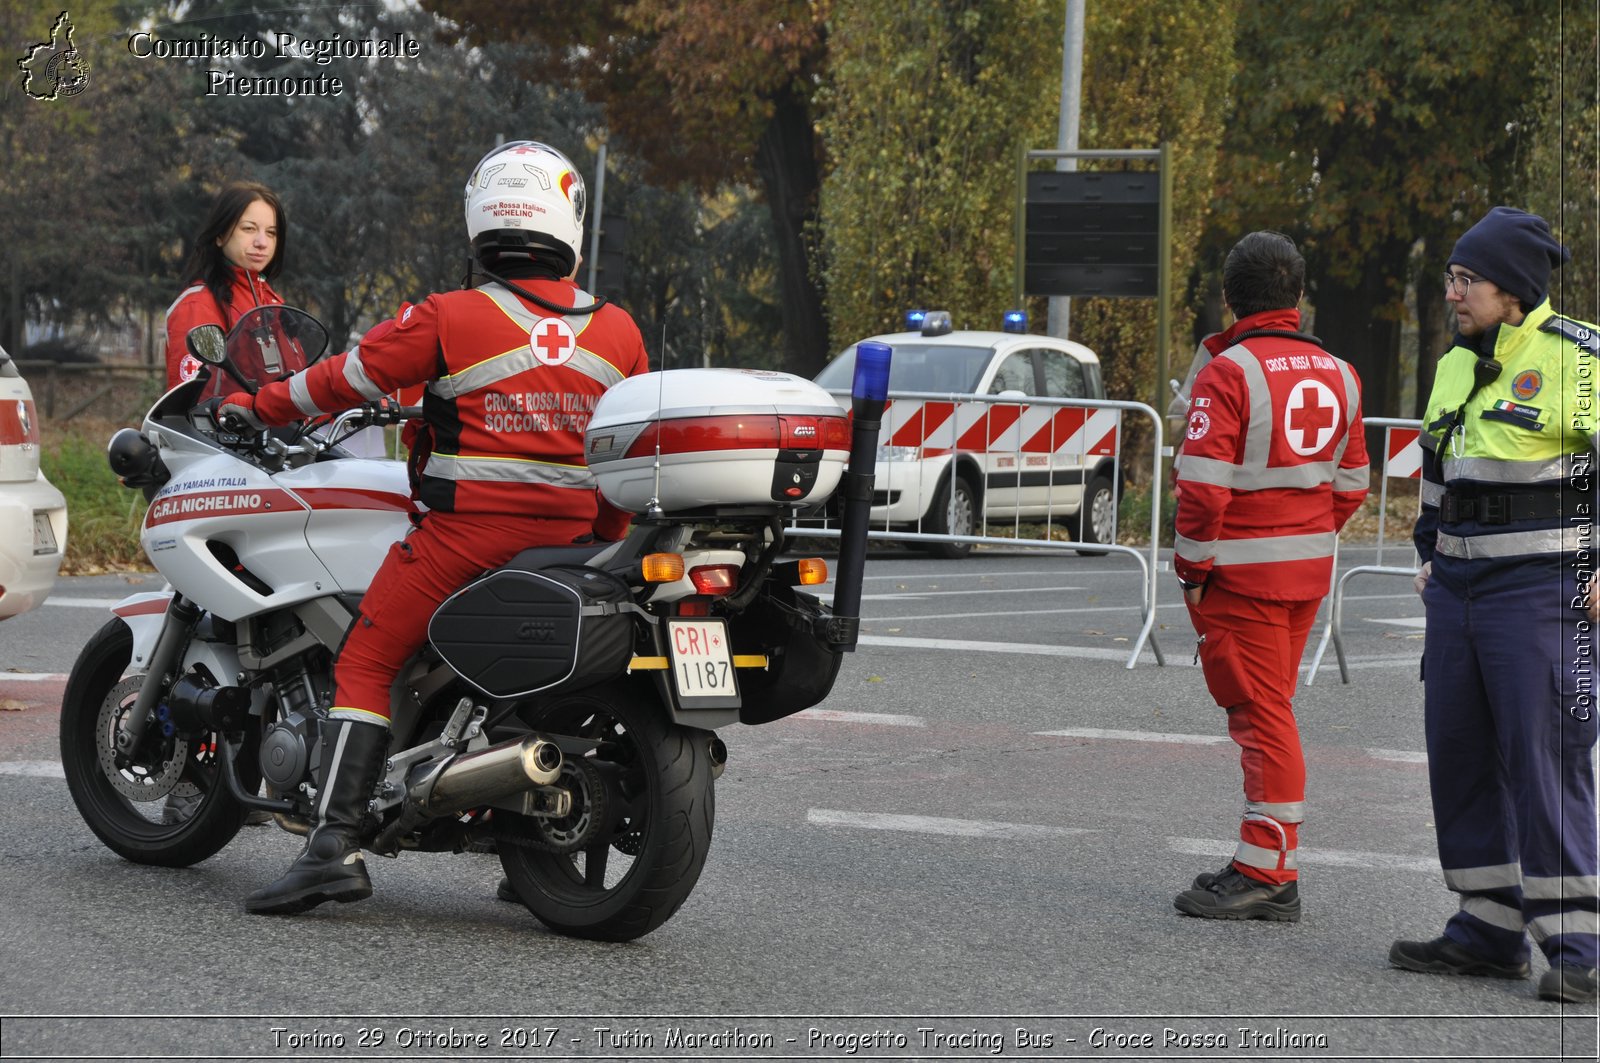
(917, 367)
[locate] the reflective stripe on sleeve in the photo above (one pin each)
(355, 374)
(1432, 493)
(1352, 479)
(300, 395)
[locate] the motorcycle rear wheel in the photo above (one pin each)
(188, 813)
(647, 855)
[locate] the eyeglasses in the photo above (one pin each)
(1459, 283)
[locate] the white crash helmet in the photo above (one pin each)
(525, 196)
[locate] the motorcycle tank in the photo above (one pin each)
(725, 440)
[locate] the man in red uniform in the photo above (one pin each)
(1274, 462)
(513, 370)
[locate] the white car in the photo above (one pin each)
(33, 514)
(940, 472)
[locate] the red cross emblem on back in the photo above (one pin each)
(553, 341)
(1310, 417)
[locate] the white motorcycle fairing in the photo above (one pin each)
(309, 532)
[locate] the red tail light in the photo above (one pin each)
(694, 607)
(714, 581)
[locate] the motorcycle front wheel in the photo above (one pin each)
(166, 805)
(640, 843)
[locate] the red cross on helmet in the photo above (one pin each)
(525, 197)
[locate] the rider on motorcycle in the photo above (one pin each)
(513, 369)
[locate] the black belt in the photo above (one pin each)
(1503, 507)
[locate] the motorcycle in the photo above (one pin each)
(563, 713)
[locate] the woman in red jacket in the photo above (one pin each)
(237, 251)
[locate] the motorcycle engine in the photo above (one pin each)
(286, 751)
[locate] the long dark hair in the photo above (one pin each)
(206, 260)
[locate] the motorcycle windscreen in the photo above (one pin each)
(516, 632)
(270, 343)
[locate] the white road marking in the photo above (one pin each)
(1174, 659)
(962, 828)
(896, 595)
(37, 769)
(994, 647)
(83, 603)
(889, 719)
(1404, 756)
(1418, 622)
(1137, 736)
(1315, 857)
(1210, 847)
(32, 677)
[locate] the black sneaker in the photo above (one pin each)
(1233, 895)
(1568, 984)
(1444, 956)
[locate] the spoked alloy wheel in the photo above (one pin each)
(168, 803)
(642, 839)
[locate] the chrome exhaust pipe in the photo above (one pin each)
(718, 752)
(474, 779)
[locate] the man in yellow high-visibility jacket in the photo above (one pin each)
(1507, 540)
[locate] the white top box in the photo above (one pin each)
(715, 440)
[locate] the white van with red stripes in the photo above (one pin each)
(33, 514)
(945, 466)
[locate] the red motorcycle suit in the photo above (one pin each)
(1273, 464)
(196, 306)
(510, 387)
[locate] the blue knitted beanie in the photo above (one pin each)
(1514, 249)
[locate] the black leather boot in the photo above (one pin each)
(331, 867)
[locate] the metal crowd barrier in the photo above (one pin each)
(1402, 460)
(1007, 440)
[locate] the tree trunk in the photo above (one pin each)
(1349, 320)
(1433, 325)
(786, 160)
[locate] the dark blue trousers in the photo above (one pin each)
(1510, 713)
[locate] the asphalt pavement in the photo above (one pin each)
(968, 851)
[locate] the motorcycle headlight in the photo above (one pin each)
(899, 453)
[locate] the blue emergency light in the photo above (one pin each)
(1015, 321)
(914, 319)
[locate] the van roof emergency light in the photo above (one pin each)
(1015, 321)
(937, 323)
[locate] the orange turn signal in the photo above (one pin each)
(812, 571)
(663, 568)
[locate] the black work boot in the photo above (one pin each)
(1568, 984)
(1206, 878)
(1233, 895)
(331, 867)
(1444, 956)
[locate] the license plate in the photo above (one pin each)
(44, 536)
(702, 664)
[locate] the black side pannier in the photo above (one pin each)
(800, 668)
(518, 631)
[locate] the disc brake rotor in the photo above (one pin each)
(577, 829)
(140, 778)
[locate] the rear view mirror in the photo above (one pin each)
(207, 343)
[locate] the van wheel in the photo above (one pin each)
(1097, 517)
(953, 514)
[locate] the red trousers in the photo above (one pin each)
(1250, 652)
(431, 563)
